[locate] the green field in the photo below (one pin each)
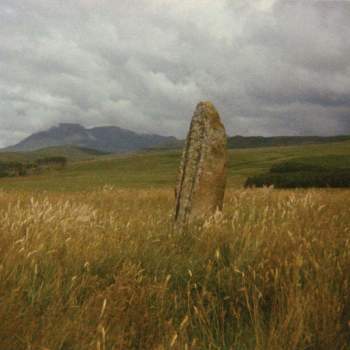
(87, 172)
(72, 153)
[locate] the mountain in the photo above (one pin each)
(111, 139)
(106, 139)
(274, 141)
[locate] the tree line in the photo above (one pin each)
(15, 168)
(305, 173)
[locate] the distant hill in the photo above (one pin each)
(241, 142)
(260, 141)
(70, 152)
(158, 169)
(113, 139)
(106, 139)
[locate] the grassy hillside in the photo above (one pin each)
(72, 153)
(159, 168)
(277, 141)
(241, 142)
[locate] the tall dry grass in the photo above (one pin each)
(104, 270)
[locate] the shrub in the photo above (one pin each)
(13, 169)
(8, 169)
(318, 171)
(302, 179)
(52, 161)
(294, 166)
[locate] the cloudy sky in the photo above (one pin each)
(271, 67)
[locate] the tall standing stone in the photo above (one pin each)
(202, 178)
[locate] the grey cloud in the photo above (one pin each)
(271, 67)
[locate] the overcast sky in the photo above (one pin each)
(270, 67)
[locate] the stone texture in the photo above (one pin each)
(202, 178)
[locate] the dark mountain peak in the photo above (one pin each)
(111, 129)
(65, 129)
(64, 134)
(69, 127)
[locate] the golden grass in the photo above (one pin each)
(103, 270)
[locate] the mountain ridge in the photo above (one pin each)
(242, 142)
(111, 139)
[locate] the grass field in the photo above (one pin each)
(89, 260)
(159, 169)
(70, 152)
(103, 270)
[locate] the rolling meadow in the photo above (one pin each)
(89, 259)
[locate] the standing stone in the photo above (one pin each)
(202, 178)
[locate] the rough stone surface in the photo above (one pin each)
(202, 178)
